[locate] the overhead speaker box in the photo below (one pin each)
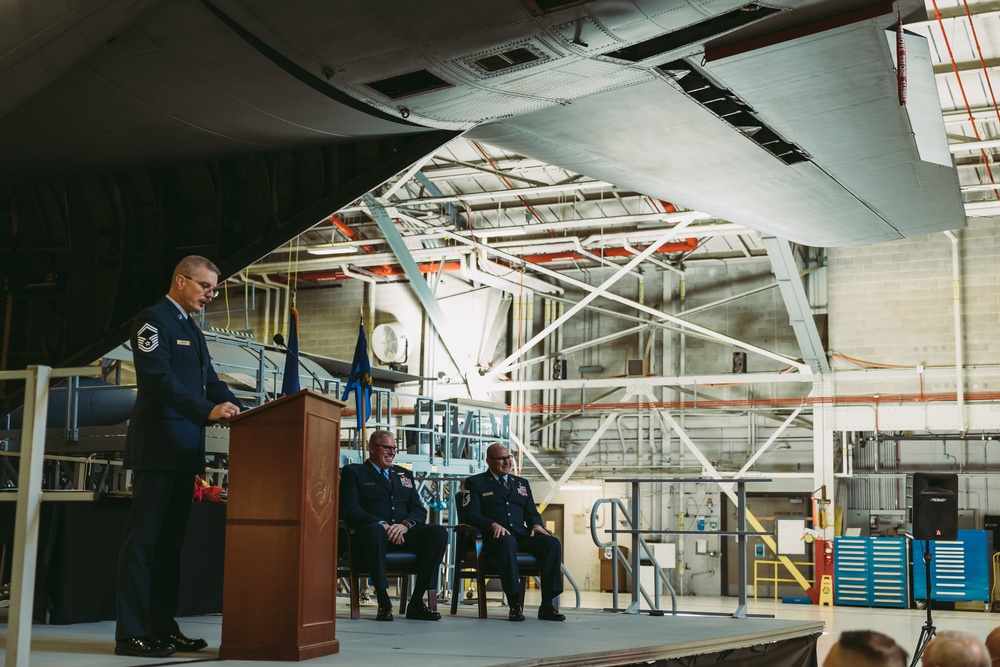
(739, 362)
(932, 503)
(636, 368)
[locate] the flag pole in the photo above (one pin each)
(364, 422)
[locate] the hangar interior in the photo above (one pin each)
(607, 334)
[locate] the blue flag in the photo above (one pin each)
(290, 378)
(360, 381)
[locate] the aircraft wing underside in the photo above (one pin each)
(857, 167)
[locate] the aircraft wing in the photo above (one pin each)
(134, 132)
(801, 135)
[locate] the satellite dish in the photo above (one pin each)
(389, 342)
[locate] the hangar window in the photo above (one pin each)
(695, 33)
(506, 60)
(404, 85)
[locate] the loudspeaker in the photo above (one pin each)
(739, 362)
(932, 500)
(636, 368)
(559, 369)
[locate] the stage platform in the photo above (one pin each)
(588, 637)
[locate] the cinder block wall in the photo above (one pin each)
(892, 303)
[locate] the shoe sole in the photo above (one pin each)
(137, 654)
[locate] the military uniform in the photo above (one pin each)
(487, 501)
(165, 448)
(368, 499)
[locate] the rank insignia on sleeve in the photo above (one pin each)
(148, 338)
(466, 496)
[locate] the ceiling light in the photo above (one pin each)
(342, 249)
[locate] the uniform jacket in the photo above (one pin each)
(487, 501)
(367, 497)
(177, 390)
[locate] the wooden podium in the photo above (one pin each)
(280, 585)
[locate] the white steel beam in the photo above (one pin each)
(594, 293)
(770, 441)
(578, 459)
(670, 423)
(659, 314)
(823, 462)
(419, 285)
(582, 346)
(531, 457)
(27, 515)
(793, 293)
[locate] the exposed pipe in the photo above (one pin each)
(663, 265)
(357, 276)
(956, 278)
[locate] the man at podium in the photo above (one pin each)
(178, 393)
(380, 502)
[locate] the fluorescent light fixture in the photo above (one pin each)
(580, 487)
(343, 249)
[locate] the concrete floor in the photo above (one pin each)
(470, 642)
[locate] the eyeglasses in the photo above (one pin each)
(507, 458)
(391, 450)
(211, 290)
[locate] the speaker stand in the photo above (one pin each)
(928, 631)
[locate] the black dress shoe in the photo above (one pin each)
(515, 613)
(420, 612)
(384, 614)
(548, 612)
(143, 647)
(182, 643)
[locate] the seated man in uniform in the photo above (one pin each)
(501, 507)
(380, 501)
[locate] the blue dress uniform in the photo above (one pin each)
(487, 501)
(367, 499)
(165, 448)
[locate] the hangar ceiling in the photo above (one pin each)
(121, 232)
(469, 195)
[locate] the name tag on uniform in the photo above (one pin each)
(368, 484)
(488, 493)
(183, 342)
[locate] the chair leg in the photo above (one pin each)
(524, 587)
(404, 592)
(481, 593)
(355, 597)
(456, 586)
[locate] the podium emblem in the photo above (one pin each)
(320, 491)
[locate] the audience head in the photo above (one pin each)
(993, 644)
(865, 648)
(955, 649)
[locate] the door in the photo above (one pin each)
(771, 509)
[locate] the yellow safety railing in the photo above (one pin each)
(774, 578)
